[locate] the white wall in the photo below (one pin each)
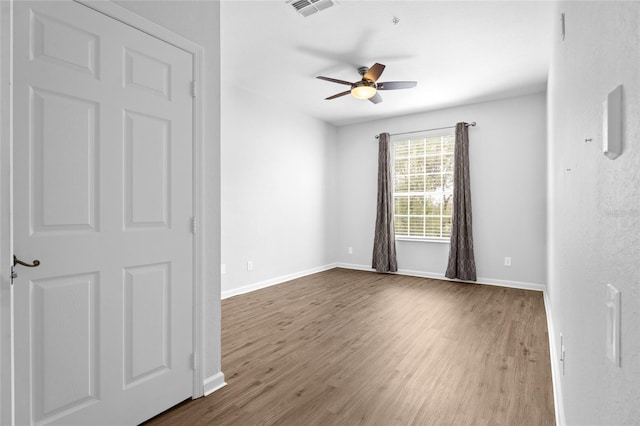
(200, 22)
(278, 203)
(507, 152)
(594, 209)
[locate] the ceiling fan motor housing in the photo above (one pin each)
(364, 82)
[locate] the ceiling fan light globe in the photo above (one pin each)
(363, 92)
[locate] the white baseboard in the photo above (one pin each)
(556, 368)
(274, 281)
(213, 383)
(439, 276)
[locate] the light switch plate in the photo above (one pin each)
(613, 324)
(612, 124)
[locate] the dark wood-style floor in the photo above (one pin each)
(347, 347)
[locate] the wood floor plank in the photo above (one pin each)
(346, 347)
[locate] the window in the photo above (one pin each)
(423, 186)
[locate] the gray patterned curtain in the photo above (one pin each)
(461, 260)
(384, 243)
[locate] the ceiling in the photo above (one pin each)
(459, 52)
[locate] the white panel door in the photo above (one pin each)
(103, 198)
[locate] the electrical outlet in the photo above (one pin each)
(507, 261)
(350, 250)
(223, 269)
(250, 266)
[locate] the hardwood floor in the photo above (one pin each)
(347, 347)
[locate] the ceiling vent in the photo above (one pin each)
(309, 7)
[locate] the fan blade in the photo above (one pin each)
(374, 72)
(376, 99)
(395, 85)
(338, 95)
(335, 80)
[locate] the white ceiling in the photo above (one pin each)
(458, 52)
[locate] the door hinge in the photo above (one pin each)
(194, 225)
(14, 275)
(193, 361)
(193, 89)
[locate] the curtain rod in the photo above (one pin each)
(472, 124)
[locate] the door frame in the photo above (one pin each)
(6, 222)
(127, 17)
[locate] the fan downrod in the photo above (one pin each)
(363, 70)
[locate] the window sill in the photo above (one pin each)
(424, 240)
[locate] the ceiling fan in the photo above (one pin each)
(367, 87)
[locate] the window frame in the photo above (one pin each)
(420, 135)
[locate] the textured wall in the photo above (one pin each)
(594, 209)
(507, 151)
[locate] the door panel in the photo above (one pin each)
(103, 198)
(55, 367)
(147, 322)
(54, 171)
(147, 147)
(147, 73)
(64, 44)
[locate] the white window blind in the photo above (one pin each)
(423, 185)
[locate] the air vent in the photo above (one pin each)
(309, 7)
